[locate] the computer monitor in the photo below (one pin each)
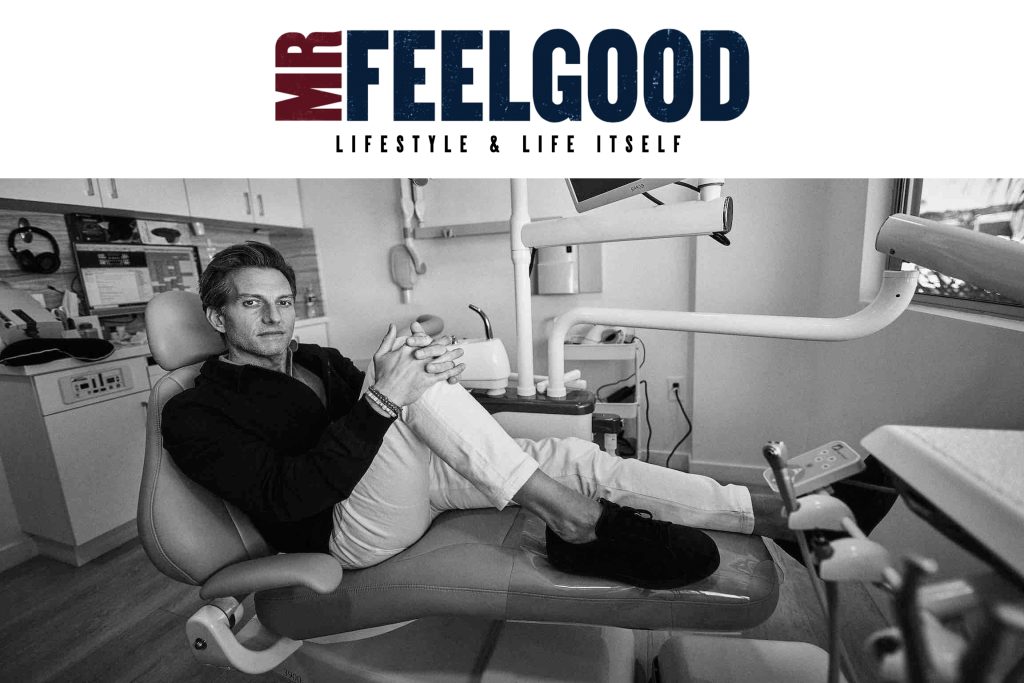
(590, 193)
(122, 278)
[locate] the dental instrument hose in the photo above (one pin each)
(829, 601)
(775, 453)
(832, 596)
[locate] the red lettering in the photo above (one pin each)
(308, 95)
(306, 57)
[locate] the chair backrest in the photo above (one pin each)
(188, 532)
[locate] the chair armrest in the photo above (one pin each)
(316, 571)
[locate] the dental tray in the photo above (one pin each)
(819, 467)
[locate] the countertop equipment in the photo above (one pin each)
(22, 317)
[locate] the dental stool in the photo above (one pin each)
(473, 599)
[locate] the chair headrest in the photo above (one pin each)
(179, 333)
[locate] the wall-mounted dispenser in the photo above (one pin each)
(572, 269)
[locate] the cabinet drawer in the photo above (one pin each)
(91, 383)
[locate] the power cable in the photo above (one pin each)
(597, 392)
(689, 428)
(647, 417)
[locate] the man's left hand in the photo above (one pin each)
(444, 359)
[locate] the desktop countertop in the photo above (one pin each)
(121, 352)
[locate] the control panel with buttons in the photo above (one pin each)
(819, 467)
(86, 385)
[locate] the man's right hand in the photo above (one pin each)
(402, 377)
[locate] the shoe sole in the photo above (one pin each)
(639, 582)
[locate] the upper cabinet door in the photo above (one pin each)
(74, 191)
(276, 201)
(226, 199)
(152, 195)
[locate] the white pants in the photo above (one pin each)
(448, 453)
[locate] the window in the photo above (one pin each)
(994, 206)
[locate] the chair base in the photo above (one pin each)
(469, 649)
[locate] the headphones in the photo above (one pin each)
(45, 262)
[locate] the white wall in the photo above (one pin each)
(357, 221)
(748, 391)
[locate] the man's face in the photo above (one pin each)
(259, 316)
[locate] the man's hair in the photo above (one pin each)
(215, 286)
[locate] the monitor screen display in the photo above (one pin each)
(122, 278)
(589, 193)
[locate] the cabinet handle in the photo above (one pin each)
(259, 200)
(248, 204)
(90, 191)
(113, 188)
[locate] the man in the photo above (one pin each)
(323, 459)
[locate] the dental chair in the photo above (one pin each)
(473, 599)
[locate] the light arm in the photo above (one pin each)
(990, 262)
(892, 299)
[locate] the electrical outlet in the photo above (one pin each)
(674, 383)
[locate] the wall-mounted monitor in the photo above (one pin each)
(122, 278)
(590, 193)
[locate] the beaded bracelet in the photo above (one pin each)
(380, 406)
(383, 401)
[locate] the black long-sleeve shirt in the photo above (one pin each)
(264, 441)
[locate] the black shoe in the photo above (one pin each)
(632, 547)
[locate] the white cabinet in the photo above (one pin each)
(226, 199)
(276, 201)
(260, 200)
(149, 195)
(73, 446)
(152, 195)
(80, 191)
(98, 451)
